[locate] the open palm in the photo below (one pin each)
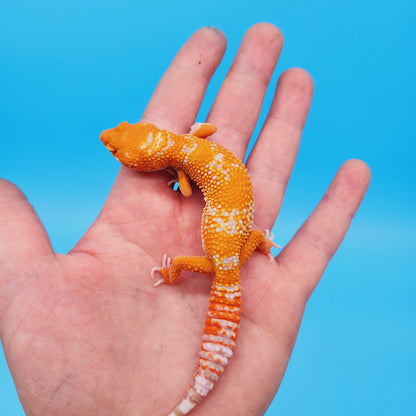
(88, 334)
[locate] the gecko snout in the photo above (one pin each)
(105, 137)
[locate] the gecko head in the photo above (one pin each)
(133, 145)
(113, 138)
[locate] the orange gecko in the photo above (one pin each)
(227, 235)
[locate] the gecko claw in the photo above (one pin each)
(153, 271)
(159, 282)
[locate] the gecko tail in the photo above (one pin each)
(218, 340)
(213, 357)
(184, 407)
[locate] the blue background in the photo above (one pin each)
(70, 68)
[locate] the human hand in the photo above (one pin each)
(87, 333)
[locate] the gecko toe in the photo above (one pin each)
(269, 236)
(159, 282)
(166, 262)
(271, 257)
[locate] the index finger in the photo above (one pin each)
(178, 96)
(173, 106)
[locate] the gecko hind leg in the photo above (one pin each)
(258, 241)
(171, 269)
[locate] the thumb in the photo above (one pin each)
(24, 243)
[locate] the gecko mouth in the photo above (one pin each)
(105, 137)
(112, 149)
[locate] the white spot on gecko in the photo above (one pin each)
(231, 226)
(159, 139)
(148, 142)
(217, 348)
(233, 288)
(150, 139)
(210, 210)
(202, 386)
(230, 262)
(189, 149)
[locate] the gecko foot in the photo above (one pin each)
(269, 236)
(166, 262)
(174, 180)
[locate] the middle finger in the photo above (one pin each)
(238, 103)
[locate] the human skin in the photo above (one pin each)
(87, 334)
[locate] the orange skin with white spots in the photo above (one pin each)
(227, 236)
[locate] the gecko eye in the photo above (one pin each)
(123, 125)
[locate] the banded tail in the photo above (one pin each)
(218, 340)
